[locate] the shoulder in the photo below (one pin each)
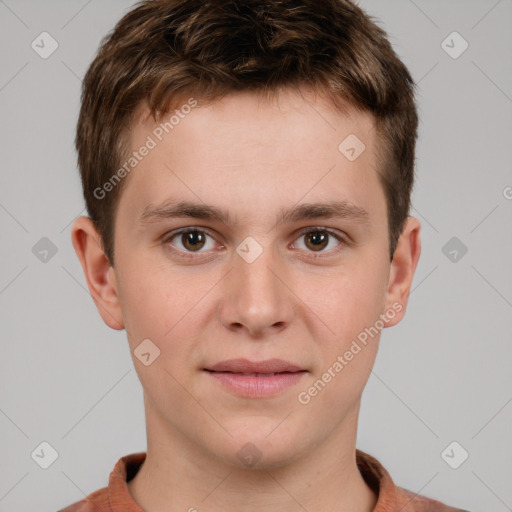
(392, 498)
(116, 497)
(409, 501)
(95, 502)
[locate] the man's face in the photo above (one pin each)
(257, 285)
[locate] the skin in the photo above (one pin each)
(296, 301)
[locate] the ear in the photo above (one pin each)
(98, 272)
(402, 270)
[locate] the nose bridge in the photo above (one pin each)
(255, 298)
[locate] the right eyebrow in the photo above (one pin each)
(172, 209)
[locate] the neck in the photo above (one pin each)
(176, 476)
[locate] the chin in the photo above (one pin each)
(254, 448)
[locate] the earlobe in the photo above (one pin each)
(402, 270)
(97, 271)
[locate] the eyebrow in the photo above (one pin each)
(187, 209)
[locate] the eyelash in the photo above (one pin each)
(190, 254)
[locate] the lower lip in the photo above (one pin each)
(256, 387)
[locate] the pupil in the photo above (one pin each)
(318, 239)
(193, 240)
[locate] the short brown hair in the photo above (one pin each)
(164, 50)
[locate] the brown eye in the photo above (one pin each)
(193, 240)
(321, 241)
(317, 240)
(190, 241)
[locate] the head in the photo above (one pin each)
(241, 119)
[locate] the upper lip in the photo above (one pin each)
(246, 366)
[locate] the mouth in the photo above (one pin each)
(244, 366)
(252, 379)
(253, 374)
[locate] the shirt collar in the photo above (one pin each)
(375, 475)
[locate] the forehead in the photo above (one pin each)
(288, 119)
(246, 146)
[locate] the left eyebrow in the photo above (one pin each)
(335, 209)
(305, 211)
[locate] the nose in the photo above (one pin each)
(256, 297)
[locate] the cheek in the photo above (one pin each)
(350, 301)
(171, 310)
(146, 303)
(151, 297)
(351, 309)
(160, 312)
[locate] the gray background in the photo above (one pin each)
(442, 375)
